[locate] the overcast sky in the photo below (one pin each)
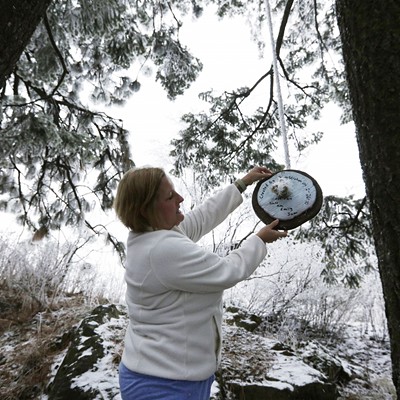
(231, 59)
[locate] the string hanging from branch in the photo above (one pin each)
(291, 196)
(278, 86)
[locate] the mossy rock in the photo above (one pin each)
(86, 349)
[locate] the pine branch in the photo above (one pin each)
(59, 55)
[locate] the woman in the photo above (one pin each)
(175, 287)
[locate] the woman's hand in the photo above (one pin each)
(255, 174)
(268, 234)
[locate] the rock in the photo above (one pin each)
(242, 318)
(333, 367)
(311, 391)
(272, 369)
(93, 343)
(256, 367)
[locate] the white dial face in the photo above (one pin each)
(286, 195)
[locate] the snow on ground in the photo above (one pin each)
(361, 357)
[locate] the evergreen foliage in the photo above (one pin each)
(343, 228)
(234, 134)
(51, 143)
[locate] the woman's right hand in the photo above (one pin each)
(268, 234)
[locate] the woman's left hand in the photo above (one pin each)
(255, 174)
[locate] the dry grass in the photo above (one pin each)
(30, 344)
(36, 315)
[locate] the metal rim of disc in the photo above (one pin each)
(299, 219)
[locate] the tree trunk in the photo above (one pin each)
(18, 21)
(370, 33)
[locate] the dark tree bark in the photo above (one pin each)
(18, 21)
(370, 32)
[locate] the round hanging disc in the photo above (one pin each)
(291, 196)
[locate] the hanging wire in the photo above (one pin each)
(278, 86)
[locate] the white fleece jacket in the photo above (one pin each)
(174, 293)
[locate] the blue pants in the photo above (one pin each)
(136, 386)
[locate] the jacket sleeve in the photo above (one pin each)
(181, 264)
(207, 216)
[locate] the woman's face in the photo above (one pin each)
(167, 210)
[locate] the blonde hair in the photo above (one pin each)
(136, 195)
